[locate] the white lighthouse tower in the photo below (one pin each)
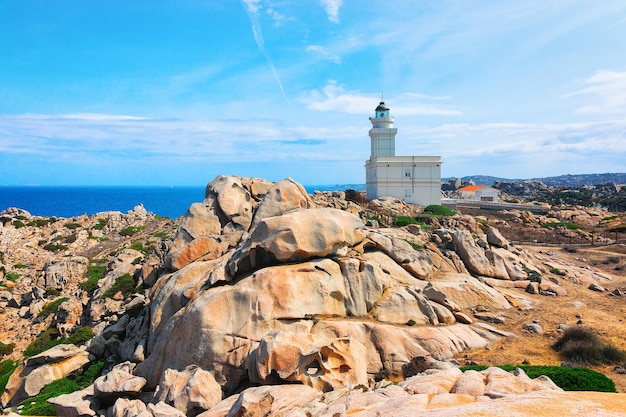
(415, 179)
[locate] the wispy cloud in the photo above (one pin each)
(325, 53)
(252, 7)
(605, 93)
(333, 97)
(332, 9)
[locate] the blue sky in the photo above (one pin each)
(176, 92)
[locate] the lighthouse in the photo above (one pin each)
(415, 179)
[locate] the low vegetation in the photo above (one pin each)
(6, 348)
(131, 230)
(438, 210)
(50, 338)
(125, 284)
(582, 346)
(101, 224)
(570, 379)
(567, 225)
(39, 405)
(12, 276)
(95, 272)
(6, 369)
(52, 307)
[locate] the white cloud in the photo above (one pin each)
(605, 93)
(325, 53)
(333, 97)
(332, 9)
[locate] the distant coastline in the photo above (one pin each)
(72, 201)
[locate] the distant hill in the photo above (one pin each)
(567, 180)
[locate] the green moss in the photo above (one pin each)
(125, 284)
(570, 379)
(52, 307)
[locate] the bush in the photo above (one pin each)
(6, 349)
(403, 221)
(125, 284)
(52, 307)
(12, 276)
(581, 345)
(55, 247)
(131, 230)
(20, 266)
(6, 370)
(73, 226)
(52, 292)
(18, 224)
(49, 338)
(80, 336)
(439, 210)
(557, 271)
(95, 272)
(101, 223)
(570, 379)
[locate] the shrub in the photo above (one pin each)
(439, 210)
(18, 224)
(55, 247)
(403, 221)
(101, 223)
(612, 260)
(39, 405)
(533, 275)
(125, 284)
(411, 322)
(52, 307)
(43, 342)
(570, 379)
(163, 235)
(72, 226)
(6, 370)
(20, 266)
(581, 345)
(131, 230)
(12, 276)
(95, 273)
(570, 249)
(80, 336)
(6, 349)
(557, 271)
(52, 292)
(138, 246)
(71, 238)
(40, 222)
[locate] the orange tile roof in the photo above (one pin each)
(472, 188)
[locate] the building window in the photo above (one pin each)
(407, 173)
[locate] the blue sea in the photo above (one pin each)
(67, 202)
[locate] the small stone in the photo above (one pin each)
(579, 316)
(526, 361)
(533, 328)
(579, 322)
(617, 292)
(596, 287)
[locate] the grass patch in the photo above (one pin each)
(131, 230)
(51, 307)
(6, 370)
(557, 271)
(570, 379)
(533, 275)
(52, 292)
(415, 246)
(20, 266)
(163, 235)
(73, 226)
(439, 210)
(567, 225)
(12, 276)
(581, 345)
(125, 284)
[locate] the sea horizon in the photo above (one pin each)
(67, 201)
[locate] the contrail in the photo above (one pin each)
(252, 9)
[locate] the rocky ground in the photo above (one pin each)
(261, 285)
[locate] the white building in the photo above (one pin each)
(415, 179)
(479, 193)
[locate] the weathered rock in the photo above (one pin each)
(191, 391)
(118, 382)
(205, 247)
(233, 199)
(76, 404)
(459, 291)
(495, 238)
(471, 382)
(313, 360)
(125, 407)
(283, 197)
(59, 272)
(472, 255)
(161, 409)
(432, 382)
(297, 236)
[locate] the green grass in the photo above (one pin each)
(55, 247)
(570, 379)
(95, 272)
(18, 224)
(161, 235)
(439, 210)
(52, 307)
(20, 266)
(39, 406)
(6, 370)
(567, 225)
(557, 271)
(12, 276)
(125, 284)
(404, 221)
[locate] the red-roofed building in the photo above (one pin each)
(479, 193)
